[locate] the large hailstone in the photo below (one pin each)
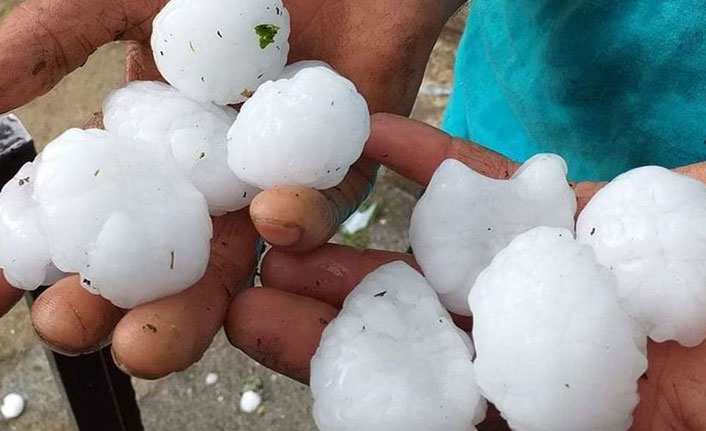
(648, 226)
(554, 349)
(24, 250)
(465, 218)
(221, 50)
(307, 130)
(394, 360)
(120, 213)
(195, 132)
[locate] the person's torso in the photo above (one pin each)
(609, 85)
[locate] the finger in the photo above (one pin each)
(71, 320)
(43, 40)
(328, 274)
(414, 150)
(300, 219)
(278, 329)
(168, 335)
(8, 295)
(139, 63)
(584, 192)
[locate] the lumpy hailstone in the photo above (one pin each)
(554, 349)
(465, 218)
(394, 360)
(24, 250)
(221, 50)
(194, 132)
(648, 226)
(108, 209)
(307, 130)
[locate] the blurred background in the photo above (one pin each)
(185, 401)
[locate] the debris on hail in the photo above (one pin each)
(250, 401)
(307, 129)
(465, 218)
(220, 50)
(393, 359)
(648, 226)
(554, 349)
(194, 132)
(105, 207)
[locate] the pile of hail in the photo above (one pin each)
(127, 208)
(560, 316)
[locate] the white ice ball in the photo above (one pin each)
(12, 406)
(306, 130)
(554, 349)
(648, 226)
(250, 401)
(465, 218)
(195, 132)
(120, 213)
(24, 250)
(394, 360)
(221, 50)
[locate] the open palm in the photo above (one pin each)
(382, 45)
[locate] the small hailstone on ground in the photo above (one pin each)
(221, 50)
(24, 254)
(465, 218)
(250, 401)
(394, 360)
(306, 130)
(211, 379)
(12, 406)
(648, 226)
(195, 133)
(554, 349)
(119, 212)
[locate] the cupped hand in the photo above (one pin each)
(382, 45)
(280, 325)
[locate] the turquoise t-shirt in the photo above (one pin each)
(607, 84)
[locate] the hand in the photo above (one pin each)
(280, 325)
(382, 45)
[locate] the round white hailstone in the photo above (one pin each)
(194, 131)
(465, 218)
(648, 226)
(120, 213)
(554, 349)
(24, 250)
(221, 50)
(292, 69)
(250, 401)
(12, 406)
(394, 360)
(211, 379)
(307, 130)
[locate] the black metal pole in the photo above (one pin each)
(99, 395)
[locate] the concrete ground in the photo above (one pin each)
(183, 401)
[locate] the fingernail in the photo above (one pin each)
(279, 234)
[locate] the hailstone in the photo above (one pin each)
(394, 360)
(292, 69)
(465, 218)
(307, 130)
(195, 132)
(648, 226)
(24, 250)
(119, 212)
(220, 50)
(554, 349)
